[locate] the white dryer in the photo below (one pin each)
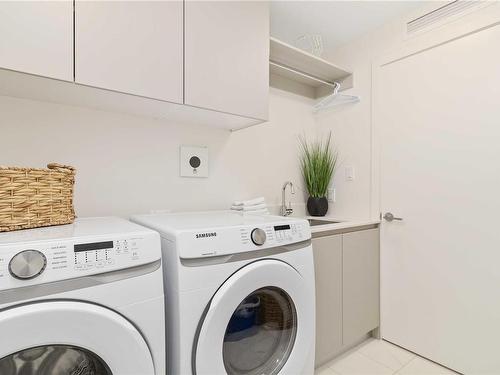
(241, 293)
(85, 298)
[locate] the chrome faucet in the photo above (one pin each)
(286, 211)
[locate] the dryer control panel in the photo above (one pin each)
(38, 262)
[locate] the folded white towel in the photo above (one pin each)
(250, 202)
(262, 211)
(249, 208)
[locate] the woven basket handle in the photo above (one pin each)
(60, 166)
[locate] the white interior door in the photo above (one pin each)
(438, 113)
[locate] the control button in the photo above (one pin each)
(27, 264)
(258, 236)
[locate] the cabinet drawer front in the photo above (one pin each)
(134, 47)
(361, 283)
(328, 270)
(36, 37)
(227, 56)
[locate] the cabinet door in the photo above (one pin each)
(37, 37)
(227, 56)
(328, 268)
(133, 47)
(361, 284)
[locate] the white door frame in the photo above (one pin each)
(476, 22)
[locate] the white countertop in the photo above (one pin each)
(300, 211)
(343, 223)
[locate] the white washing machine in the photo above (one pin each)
(241, 293)
(85, 298)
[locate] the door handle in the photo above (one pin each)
(388, 216)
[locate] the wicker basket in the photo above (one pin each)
(273, 314)
(31, 198)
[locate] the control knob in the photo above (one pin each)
(27, 264)
(258, 236)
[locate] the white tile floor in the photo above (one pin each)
(374, 357)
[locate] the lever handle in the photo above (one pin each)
(388, 216)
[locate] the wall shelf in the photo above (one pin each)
(315, 75)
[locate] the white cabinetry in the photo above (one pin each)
(328, 272)
(227, 56)
(360, 283)
(36, 37)
(347, 290)
(202, 62)
(135, 47)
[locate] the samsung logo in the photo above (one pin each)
(206, 235)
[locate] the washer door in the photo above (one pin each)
(260, 321)
(63, 337)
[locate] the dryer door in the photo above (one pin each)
(260, 321)
(65, 337)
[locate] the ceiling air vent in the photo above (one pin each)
(442, 15)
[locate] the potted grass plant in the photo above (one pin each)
(317, 162)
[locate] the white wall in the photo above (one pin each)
(128, 164)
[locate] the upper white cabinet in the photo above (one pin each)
(227, 56)
(202, 62)
(135, 47)
(36, 37)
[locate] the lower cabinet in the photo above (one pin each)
(361, 284)
(328, 268)
(347, 270)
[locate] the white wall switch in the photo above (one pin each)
(332, 194)
(349, 173)
(194, 161)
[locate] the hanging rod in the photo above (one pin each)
(298, 72)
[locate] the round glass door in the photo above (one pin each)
(53, 360)
(260, 334)
(92, 341)
(259, 322)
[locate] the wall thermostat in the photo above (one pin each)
(194, 161)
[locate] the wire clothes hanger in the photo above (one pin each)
(335, 99)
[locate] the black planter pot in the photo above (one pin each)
(317, 206)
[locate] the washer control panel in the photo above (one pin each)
(98, 255)
(49, 261)
(234, 239)
(275, 235)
